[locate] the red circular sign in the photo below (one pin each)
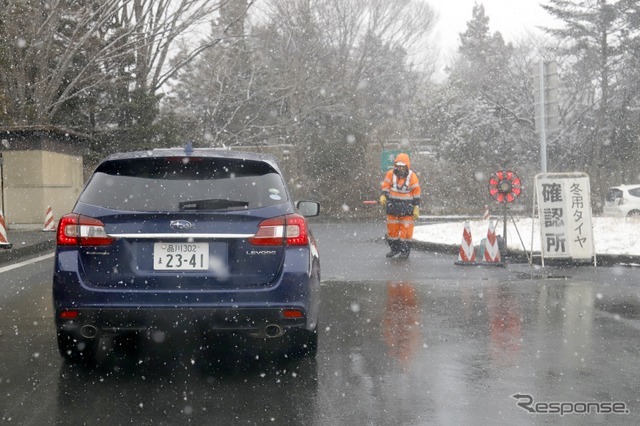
(505, 186)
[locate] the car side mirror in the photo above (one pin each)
(308, 208)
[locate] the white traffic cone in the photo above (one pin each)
(491, 250)
(467, 254)
(49, 223)
(4, 240)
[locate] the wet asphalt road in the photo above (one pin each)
(410, 342)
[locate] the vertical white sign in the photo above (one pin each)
(564, 207)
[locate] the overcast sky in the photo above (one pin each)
(512, 18)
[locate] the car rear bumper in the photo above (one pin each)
(261, 322)
(614, 211)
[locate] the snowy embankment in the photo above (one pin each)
(611, 235)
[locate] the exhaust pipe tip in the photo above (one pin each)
(273, 330)
(89, 331)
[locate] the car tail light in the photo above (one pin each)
(69, 314)
(78, 230)
(292, 313)
(290, 230)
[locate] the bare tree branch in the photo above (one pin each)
(82, 41)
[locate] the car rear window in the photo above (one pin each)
(181, 183)
(613, 194)
(635, 192)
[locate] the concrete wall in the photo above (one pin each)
(33, 180)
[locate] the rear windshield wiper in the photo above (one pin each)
(212, 204)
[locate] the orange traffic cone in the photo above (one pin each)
(49, 223)
(467, 254)
(491, 250)
(4, 241)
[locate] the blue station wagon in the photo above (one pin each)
(169, 238)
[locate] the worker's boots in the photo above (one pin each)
(395, 248)
(404, 248)
(392, 253)
(404, 254)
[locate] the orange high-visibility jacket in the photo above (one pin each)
(402, 193)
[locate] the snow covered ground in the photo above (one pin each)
(611, 235)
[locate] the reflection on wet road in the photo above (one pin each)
(417, 353)
(187, 384)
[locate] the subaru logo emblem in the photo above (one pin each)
(181, 225)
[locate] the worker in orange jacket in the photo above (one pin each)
(401, 198)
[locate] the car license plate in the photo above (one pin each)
(180, 256)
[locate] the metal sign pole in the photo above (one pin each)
(504, 229)
(543, 133)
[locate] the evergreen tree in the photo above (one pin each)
(591, 51)
(483, 115)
